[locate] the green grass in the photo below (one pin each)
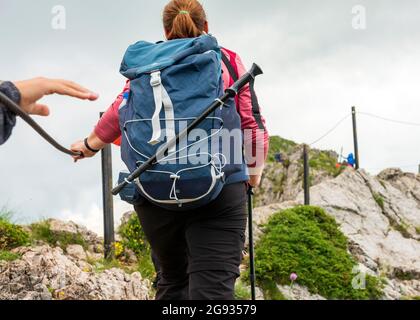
(279, 145)
(145, 267)
(402, 227)
(307, 241)
(324, 161)
(404, 276)
(133, 238)
(42, 231)
(6, 214)
(9, 256)
(418, 230)
(270, 291)
(379, 200)
(12, 236)
(101, 265)
(242, 292)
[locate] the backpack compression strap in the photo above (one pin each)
(162, 99)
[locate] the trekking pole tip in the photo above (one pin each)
(118, 188)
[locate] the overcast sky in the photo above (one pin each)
(317, 65)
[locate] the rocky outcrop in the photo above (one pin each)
(297, 292)
(45, 273)
(283, 181)
(380, 215)
(68, 271)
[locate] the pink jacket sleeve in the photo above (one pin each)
(256, 138)
(108, 127)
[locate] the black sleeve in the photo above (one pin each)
(7, 118)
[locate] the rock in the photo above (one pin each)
(88, 236)
(297, 292)
(282, 182)
(130, 256)
(259, 295)
(76, 251)
(44, 273)
(97, 248)
(380, 215)
(126, 217)
(94, 256)
(262, 215)
(376, 217)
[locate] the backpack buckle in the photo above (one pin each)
(155, 79)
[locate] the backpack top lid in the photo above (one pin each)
(145, 57)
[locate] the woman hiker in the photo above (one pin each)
(199, 250)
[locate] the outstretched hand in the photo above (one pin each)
(33, 90)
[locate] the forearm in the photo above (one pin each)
(7, 118)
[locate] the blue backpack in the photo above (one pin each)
(171, 84)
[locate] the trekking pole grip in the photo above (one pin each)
(245, 79)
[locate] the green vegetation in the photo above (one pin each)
(42, 231)
(402, 227)
(242, 292)
(379, 200)
(133, 236)
(134, 239)
(8, 256)
(418, 230)
(277, 182)
(307, 241)
(12, 236)
(404, 276)
(270, 291)
(146, 268)
(324, 161)
(101, 265)
(277, 145)
(6, 214)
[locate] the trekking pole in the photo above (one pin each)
(12, 106)
(251, 243)
(229, 93)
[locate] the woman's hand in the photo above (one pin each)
(93, 142)
(254, 181)
(33, 90)
(79, 146)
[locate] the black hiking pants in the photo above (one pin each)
(199, 251)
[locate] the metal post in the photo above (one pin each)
(356, 143)
(306, 183)
(107, 198)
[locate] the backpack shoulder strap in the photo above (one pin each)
(230, 67)
(255, 104)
